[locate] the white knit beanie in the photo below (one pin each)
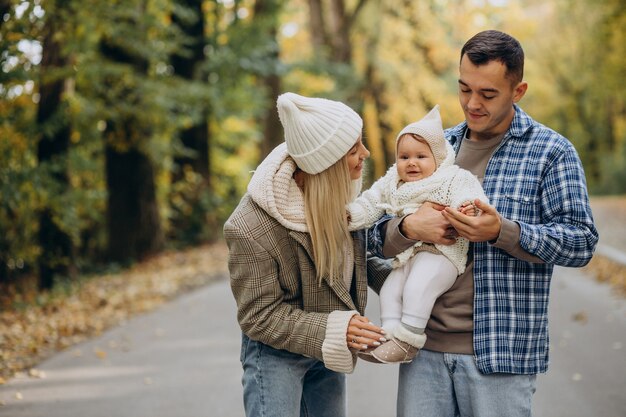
(430, 128)
(318, 132)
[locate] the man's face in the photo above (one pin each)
(487, 98)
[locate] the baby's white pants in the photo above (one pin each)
(410, 291)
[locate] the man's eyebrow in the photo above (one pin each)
(484, 90)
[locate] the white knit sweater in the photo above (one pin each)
(449, 185)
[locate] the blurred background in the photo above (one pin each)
(130, 127)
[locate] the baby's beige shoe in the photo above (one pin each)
(402, 348)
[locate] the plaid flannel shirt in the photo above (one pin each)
(536, 179)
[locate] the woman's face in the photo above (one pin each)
(355, 156)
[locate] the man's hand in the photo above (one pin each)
(428, 224)
(476, 229)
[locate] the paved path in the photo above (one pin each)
(182, 361)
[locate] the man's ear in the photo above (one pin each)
(519, 91)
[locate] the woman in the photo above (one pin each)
(298, 275)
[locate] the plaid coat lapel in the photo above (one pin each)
(360, 268)
(337, 285)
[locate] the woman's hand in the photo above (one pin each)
(363, 334)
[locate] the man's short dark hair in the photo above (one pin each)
(493, 45)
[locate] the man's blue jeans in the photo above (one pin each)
(450, 385)
(278, 383)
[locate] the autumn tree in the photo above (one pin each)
(57, 257)
(590, 108)
(191, 173)
(187, 63)
(133, 218)
(265, 24)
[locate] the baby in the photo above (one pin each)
(424, 171)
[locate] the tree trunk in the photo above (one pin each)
(5, 7)
(375, 90)
(134, 224)
(189, 223)
(266, 11)
(186, 65)
(57, 257)
(317, 28)
(133, 220)
(272, 128)
(340, 29)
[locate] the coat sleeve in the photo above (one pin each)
(264, 316)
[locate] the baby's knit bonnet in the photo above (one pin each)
(430, 128)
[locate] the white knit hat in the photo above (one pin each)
(318, 132)
(430, 128)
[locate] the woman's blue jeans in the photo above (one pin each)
(278, 383)
(439, 384)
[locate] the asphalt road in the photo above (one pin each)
(182, 361)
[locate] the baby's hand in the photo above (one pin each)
(469, 209)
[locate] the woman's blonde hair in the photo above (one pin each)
(325, 197)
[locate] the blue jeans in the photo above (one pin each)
(279, 383)
(439, 384)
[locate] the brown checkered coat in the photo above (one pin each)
(280, 301)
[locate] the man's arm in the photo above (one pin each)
(393, 235)
(564, 235)
(498, 231)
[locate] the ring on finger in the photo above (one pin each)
(354, 340)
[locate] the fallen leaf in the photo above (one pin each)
(47, 322)
(580, 317)
(100, 353)
(36, 373)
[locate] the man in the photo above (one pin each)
(487, 337)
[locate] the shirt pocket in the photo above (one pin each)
(523, 207)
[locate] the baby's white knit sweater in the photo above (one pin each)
(449, 185)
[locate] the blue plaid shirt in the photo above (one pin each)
(536, 179)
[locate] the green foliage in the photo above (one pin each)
(612, 181)
(404, 53)
(584, 96)
(20, 188)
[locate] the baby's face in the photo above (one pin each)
(415, 159)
